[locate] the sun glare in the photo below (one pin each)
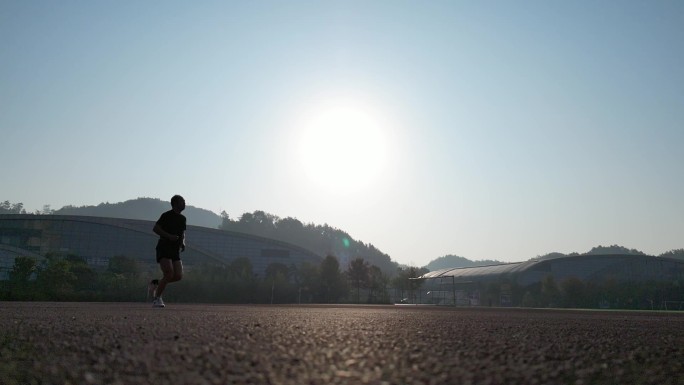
(343, 147)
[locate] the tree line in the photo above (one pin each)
(320, 239)
(70, 278)
(610, 293)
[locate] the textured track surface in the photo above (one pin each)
(57, 343)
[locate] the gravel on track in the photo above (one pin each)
(133, 343)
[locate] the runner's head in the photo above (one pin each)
(178, 203)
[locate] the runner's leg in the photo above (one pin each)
(177, 271)
(166, 266)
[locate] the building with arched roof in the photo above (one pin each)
(507, 284)
(97, 239)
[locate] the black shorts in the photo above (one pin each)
(170, 252)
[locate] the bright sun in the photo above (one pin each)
(342, 147)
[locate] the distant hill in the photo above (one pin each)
(320, 239)
(598, 250)
(614, 249)
(552, 256)
(453, 261)
(676, 254)
(142, 208)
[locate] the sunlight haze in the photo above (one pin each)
(488, 130)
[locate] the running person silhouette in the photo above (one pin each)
(171, 230)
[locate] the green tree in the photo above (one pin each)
(377, 285)
(225, 221)
(55, 279)
(573, 292)
(19, 285)
(86, 284)
(530, 299)
(308, 277)
(259, 223)
(208, 282)
(277, 283)
(23, 268)
(550, 294)
(358, 275)
(405, 283)
(675, 254)
(241, 269)
(243, 281)
(332, 285)
(122, 280)
(277, 270)
(11, 208)
(122, 264)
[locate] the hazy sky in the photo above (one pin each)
(489, 130)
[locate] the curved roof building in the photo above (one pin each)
(97, 239)
(465, 285)
(585, 267)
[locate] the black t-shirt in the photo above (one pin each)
(172, 223)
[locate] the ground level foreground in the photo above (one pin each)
(104, 343)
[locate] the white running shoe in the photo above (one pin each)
(158, 302)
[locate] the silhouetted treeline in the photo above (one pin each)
(7, 207)
(575, 293)
(614, 249)
(571, 293)
(69, 278)
(321, 239)
(676, 254)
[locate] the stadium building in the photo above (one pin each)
(509, 284)
(98, 239)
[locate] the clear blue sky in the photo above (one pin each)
(489, 130)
